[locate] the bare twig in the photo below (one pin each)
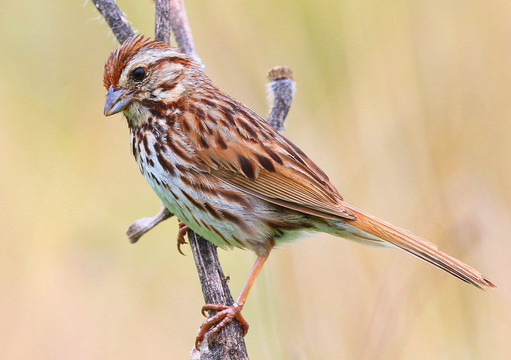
(281, 89)
(181, 29)
(115, 19)
(162, 20)
(141, 226)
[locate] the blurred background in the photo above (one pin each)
(404, 103)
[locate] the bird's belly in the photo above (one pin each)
(223, 215)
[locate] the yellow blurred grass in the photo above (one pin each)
(403, 103)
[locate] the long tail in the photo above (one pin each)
(416, 246)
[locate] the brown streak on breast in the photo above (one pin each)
(194, 218)
(249, 129)
(235, 197)
(183, 169)
(172, 192)
(184, 125)
(237, 240)
(187, 181)
(134, 147)
(146, 144)
(212, 211)
(208, 102)
(193, 201)
(206, 189)
(221, 236)
(236, 220)
(206, 225)
(155, 179)
(166, 165)
(230, 119)
(176, 149)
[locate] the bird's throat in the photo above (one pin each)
(137, 115)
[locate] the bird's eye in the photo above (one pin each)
(138, 74)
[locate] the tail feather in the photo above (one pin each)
(416, 246)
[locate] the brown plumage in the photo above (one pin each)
(227, 174)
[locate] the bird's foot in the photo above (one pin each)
(183, 229)
(224, 316)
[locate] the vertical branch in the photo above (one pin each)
(115, 18)
(162, 21)
(181, 29)
(281, 89)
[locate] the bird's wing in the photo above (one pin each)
(242, 150)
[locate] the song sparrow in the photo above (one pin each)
(225, 173)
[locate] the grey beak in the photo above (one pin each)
(116, 101)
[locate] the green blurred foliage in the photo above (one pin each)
(404, 103)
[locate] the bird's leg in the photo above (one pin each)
(183, 229)
(141, 226)
(226, 313)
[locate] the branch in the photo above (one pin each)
(162, 20)
(141, 226)
(115, 18)
(281, 89)
(181, 29)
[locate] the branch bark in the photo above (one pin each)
(281, 90)
(115, 18)
(162, 20)
(181, 29)
(143, 225)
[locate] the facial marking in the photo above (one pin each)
(145, 57)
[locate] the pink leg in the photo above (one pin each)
(227, 313)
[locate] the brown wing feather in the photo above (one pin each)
(244, 151)
(276, 190)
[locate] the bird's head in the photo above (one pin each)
(143, 71)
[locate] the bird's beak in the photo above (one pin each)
(116, 100)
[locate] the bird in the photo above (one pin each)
(229, 176)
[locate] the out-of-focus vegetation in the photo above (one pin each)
(404, 103)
